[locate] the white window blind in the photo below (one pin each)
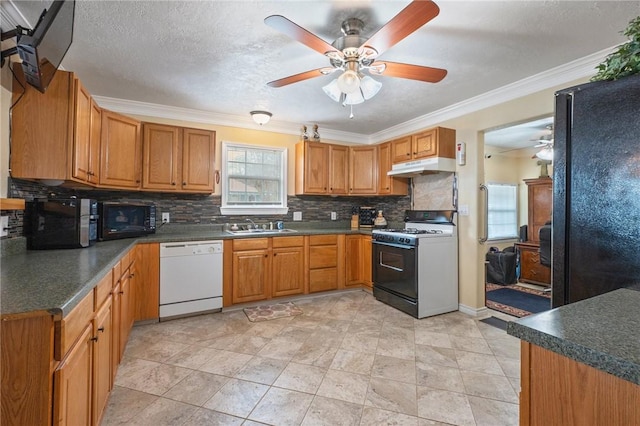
(502, 217)
(254, 179)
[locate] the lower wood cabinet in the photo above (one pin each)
(147, 274)
(531, 270)
(326, 262)
(358, 260)
(287, 266)
(102, 377)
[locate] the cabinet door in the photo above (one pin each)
(147, 282)
(323, 268)
(353, 260)
(250, 275)
(540, 204)
(338, 169)
(82, 132)
(116, 302)
(198, 160)
(160, 145)
(388, 185)
(126, 314)
(401, 149)
(101, 360)
(287, 266)
(315, 170)
(425, 144)
(73, 384)
(363, 164)
(94, 142)
(121, 150)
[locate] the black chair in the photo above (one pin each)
(545, 244)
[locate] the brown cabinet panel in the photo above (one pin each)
(198, 160)
(364, 165)
(323, 279)
(540, 205)
(425, 144)
(531, 270)
(160, 147)
(147, 282)
(82, 133)
(353, 267)
(288, 271)
(367, 261)
(388, 185)
(323, 257)
(250, 275)
(401, 149)
(94, 142)
(338, 169)
(312, 168)
(121, 151)
(102, 376)
(436, 142)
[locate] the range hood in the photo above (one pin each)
(425, 165)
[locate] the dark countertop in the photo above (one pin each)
(55, 281)
(602, 332)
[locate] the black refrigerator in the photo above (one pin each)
(596, 189)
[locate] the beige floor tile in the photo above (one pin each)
(432, 338)
(439, 377)
(488, 412)
(163, 412)
(291, 332)
(124, 404)
(301, 377)
(156, 380)
(471, 344)
(282, 407)
(372, 416)
(262, 370)
(401, 370)
(344, 386)
(326, 337)
(507, 347)
(193, 357)
(365, 328)
(463, 326)
(197, 388)
(335, 325)
(489, 386)
(280, 348)
(307, 321)
(242, 343)
(202, 416)
(225, 363)
(354, 362)
(437, 356)
(332, 412)
(266, 329)
(393, 396)
(445, 406)
(237, 397)
(481, 363)
(317, 354)
(396, 347)
(510, 366)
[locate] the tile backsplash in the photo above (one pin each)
(205, 209)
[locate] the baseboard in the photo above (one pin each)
(474, 312)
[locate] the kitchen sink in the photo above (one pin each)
(262, 231)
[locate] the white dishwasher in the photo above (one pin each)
(190, 278)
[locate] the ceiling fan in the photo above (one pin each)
(546, 153)
(353, 54)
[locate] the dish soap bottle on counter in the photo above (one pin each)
(380, 221)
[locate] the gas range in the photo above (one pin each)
(419, 225)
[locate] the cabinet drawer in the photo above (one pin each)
(73, 324)
(102, 290)
(278, 242)
(251, 244)
(323, 257)
(319, 240)
(323, 279)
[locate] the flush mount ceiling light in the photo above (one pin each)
(546, 153)
(261, 117)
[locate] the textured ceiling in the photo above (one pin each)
(217, 56)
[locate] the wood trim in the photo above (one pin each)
(227, 268)
(525, 383)
(11, 204)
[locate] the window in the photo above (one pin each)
(502, 216)
(254, 180)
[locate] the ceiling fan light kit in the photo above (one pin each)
(261, 117)
(354, 55)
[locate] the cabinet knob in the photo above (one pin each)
(132, 275)
(414, 153)
(408, 153)
(94, 339)
(121, 292)
(173, 183)
(266, 255)
(184, 183)
(275, 254)
(101, 329)
(137, 180)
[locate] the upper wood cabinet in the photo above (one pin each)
(121, 151)
(338, 170)
(540, 204)
(388, 185)
(177, 159)
(436, 142)
(322, 169)
(363, 163)
(55, 135)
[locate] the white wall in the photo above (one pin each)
(5, 104)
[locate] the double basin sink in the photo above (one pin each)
(259, 231)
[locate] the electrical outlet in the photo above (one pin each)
(4, 226)
(334, 215)
(166, 218)
(463, 210)
(297, 216)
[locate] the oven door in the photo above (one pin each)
(395, 269)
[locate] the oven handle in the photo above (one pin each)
(384, 265)
(400, 246)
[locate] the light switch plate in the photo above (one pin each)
(297, 216)
(4, 226)
(463, 210)
(334, 215)
(165, 218)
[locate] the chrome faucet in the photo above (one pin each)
(252, 222)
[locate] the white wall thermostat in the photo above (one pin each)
(461, 153)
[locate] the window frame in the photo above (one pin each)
(515, 211)
(249, 209)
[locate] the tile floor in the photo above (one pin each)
(348, 360)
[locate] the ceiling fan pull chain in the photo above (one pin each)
(351, 115)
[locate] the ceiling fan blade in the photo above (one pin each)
(296, 32)
(412, 17)
(413, 72)
(296, 78)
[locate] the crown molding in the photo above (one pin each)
(563, 74)
(12, 15)
(125, 106)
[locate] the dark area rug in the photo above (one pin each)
(517, 301)
(496, 322)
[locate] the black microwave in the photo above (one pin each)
(125, 220)
(61, 223)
